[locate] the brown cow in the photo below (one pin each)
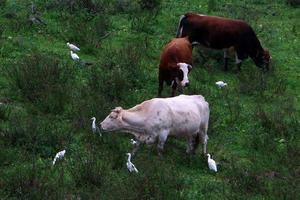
(175, 64)
(222, 33)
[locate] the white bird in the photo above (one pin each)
(133, 142)
(60, 155)
(130, 165)
(74, 56)
(211, 163)
(221, 84)
(73, 47)
(95, 128)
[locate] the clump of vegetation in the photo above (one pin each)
(41, 79)
(293, 3)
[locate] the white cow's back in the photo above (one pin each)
(180, 115)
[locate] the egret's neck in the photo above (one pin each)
(129, 157)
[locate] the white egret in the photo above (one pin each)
(73, 47)
(74, 56)
(221, 84)
(95, 128)
(130, 165)
(133, 142)
(60, 155)
(211, 163)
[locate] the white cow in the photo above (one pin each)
(156, 119)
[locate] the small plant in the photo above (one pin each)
(149, 4)
(293, 3)
(211, 6)
(41, 79)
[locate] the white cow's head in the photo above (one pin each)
(113, 121)
(184, 70)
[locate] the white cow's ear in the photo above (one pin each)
(190, 66)
(117, 109)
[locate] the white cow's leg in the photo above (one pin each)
(191, 144)
(162, 138)
(135, 148)
(204, 142)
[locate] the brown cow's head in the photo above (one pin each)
(113, 121)
(182, 74)
(262, 59)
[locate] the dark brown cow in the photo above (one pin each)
(222, 33)
(175, 64)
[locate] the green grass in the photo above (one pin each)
(253, 131)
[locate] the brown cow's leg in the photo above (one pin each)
(173, 88)
(226, 59)
(238, 61)
(226, 64)
(160, 83)
(239, 66)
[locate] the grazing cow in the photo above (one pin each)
(175, 64)
(154, 120)
(222, 33)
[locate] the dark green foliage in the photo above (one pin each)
(293, 3)
(43, 80)
(149, 4)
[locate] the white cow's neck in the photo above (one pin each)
(133, 121)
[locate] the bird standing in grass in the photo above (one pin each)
(74, 56)
(95, 128)
(60, 155)
(130, 165)
(133, 142)
(221, 84)
(211, 164)
(73, 47)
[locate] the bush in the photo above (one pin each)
(42, 80)
(293, 3)
(149, 4)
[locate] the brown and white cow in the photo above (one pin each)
(154, 120)
(175, 64)
(222, 33)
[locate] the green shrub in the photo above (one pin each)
(293, 3)
(42, 80)
(149, 4)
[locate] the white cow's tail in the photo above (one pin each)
(180, 24)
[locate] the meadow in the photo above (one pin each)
(47, 101)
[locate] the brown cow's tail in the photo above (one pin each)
(180, 24)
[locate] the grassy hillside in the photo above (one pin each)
(47, 101)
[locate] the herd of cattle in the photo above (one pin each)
(154, 120)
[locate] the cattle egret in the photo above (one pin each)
(60, 155)
(73, 47)
(211, 163)
(74, 56)
(130, 165)
(133, 142)
(95, 128)
(221, 84)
